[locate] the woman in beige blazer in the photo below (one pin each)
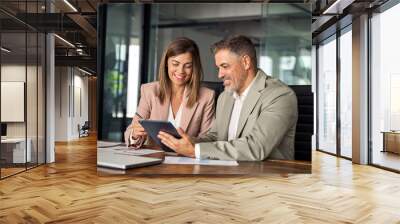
(177, 96)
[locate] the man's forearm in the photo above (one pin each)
(209, 137)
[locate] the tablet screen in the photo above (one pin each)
(152, 128)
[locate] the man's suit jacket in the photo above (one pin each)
(266, 128)
(195, 121)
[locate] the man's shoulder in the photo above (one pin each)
(275, 90)
(275, 86)
(224, 94)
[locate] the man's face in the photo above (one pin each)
(231, 70)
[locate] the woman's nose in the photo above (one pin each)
(181, 69)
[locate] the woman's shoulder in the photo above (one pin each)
(206, 93)
(151, 85)
(150, 88)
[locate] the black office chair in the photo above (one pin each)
(218, 87)
(84, 130)
(305, 122)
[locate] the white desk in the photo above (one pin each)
(18, 150)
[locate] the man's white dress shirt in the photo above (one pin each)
(235, 115)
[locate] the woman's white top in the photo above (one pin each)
(177, 120)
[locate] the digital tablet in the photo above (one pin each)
(152, 128)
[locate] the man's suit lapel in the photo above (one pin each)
(251, 100)
(226, 114)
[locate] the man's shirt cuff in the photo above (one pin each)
(197, 151)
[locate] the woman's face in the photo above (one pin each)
(180, 68)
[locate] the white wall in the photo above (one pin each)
(33, 126)
(71, 102)
(12, 73)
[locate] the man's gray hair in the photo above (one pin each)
(239, 44)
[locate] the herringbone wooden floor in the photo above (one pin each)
(69, 191)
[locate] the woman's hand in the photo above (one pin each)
(138, 131)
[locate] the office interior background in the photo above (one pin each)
(48, 82)
(49, 68)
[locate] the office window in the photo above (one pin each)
(346, 93)
(385, 88)
(122, 60)
(327, 96)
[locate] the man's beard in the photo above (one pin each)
(231, 87)
(234, 86)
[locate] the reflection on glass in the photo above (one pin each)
(31, 100)
(327, 96)
(23, 85)
(346, 94)
(385, 84)
(281, 33)
(15, 151)
(287, 41)
(121, 68)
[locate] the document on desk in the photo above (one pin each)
(106, 144)
(186, 160)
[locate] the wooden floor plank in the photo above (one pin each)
(69, 191)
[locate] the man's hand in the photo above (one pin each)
(183, 146)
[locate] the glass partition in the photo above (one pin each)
(285, 45)
(22, 90)
(281, 33)
(14, 153)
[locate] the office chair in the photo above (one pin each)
(84, 130)
(305, 122)
(218, 87)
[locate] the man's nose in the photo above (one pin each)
(220, 74)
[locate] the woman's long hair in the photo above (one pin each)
(180, 46)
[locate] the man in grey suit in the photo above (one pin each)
(256, 115)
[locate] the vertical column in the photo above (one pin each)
(360, 90)
(50, 92)
(314, 90)
(50, 98)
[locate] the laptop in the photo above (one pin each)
(123, 161)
